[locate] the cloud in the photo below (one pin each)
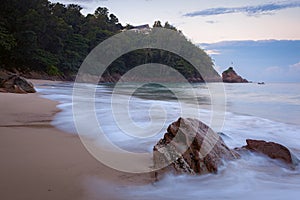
(295, 68)
(284, 73)
(212, 52)
(268, 8)
(211, 21)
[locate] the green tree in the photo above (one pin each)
(157, 24)
(7, 43)
(37, 35)
(169, 26)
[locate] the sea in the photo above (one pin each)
(134, 116)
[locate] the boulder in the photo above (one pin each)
(25, 85)
(230, 76)
(272, 150)
(16, 84)
(190, 147)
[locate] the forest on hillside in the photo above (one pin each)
(53, 38)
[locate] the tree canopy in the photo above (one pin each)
(40, 36)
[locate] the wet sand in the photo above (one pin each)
(39, 161)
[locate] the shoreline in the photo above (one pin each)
(41, 162)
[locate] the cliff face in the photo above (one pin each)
(230, 76)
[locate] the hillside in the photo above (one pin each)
(40, 39)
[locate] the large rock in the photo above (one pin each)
(230, 76)
(191, 147)
(15, 84)
(272, 150)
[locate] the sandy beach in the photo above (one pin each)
(39, 161)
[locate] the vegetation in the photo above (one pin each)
(36, 35)
(230, 69)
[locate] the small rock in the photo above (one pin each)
(16, 84)
(272, 150)
(25, 85)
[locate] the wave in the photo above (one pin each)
(250, 177)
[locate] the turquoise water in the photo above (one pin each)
(270, 112)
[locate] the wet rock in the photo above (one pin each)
(230, 76)
(15, 84)
(190, 147)
(272, 150)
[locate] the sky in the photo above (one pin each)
(209, 21)
(215, 21)
(263, 60)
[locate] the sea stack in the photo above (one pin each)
(230, 76)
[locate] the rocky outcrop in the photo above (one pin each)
(191, 147)
(15, 84)
(230, 76)
(272, 150)
(89, 78)
(117, 77)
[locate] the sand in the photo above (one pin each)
(39, 161)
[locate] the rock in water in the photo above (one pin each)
(16, 84)
(191, 147)
(273, 150)
(230, 76)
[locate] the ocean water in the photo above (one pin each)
(134, 117)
